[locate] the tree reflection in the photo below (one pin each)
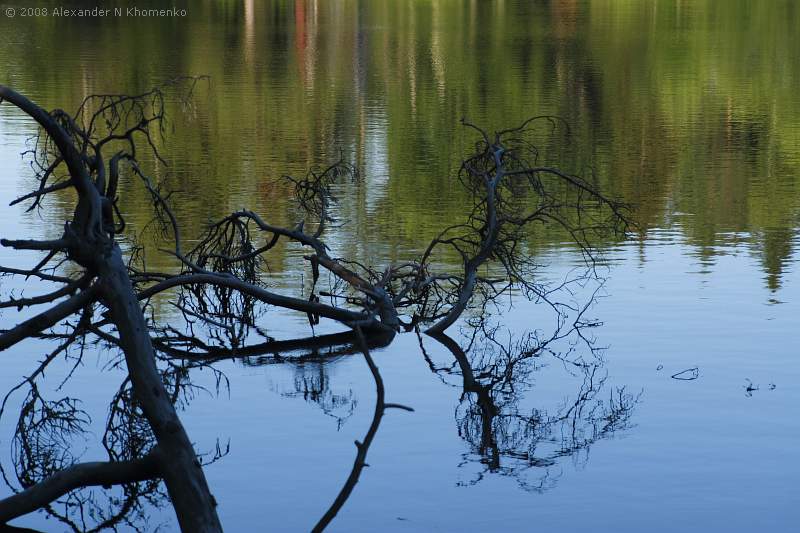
(123, 496)
(505, 437)
(313, 384)
(509, 439)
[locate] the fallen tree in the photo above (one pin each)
(220, 293)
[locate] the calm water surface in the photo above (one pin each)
(688, 110)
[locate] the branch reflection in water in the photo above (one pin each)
(126, 487)
(492, 369)
(509, 439)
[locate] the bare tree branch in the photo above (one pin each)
(362, 447)
(77, 476)
(47, 319)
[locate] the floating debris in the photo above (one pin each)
(750, 387)
(688, 374)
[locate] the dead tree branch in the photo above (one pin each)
(502, 171)
(103, 474)
(362, 447)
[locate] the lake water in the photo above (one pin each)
(688, 110)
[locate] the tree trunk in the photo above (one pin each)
(183, 475)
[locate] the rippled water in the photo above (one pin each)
(688, 110)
